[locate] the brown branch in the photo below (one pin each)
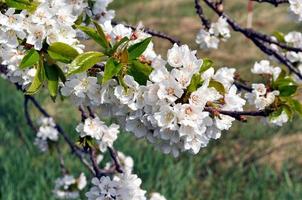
(259, 39)
(274, 2)
(114, 157)
(158, 34)
(74, 149)
(238, 115)
(200, 13)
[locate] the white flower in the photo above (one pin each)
(98, 130)
(169, 90)
(125, 186)
(100, 9)
(264, 67)
(294, 38)
(42, 14)
(296, 8)
(225, 76)
(64, 187)
(81, 87)
(120, 31)
(206, 40)
(47, 130)
(133, 95)
(126, 161)
(233, 101)
(81, 181)
(36, 36)
(157, 196)
(280, 120)
(175, 56)
(103, 189)
(166, 117)
(220, 28)
(259, 96)
(202, 95)
(129, 187)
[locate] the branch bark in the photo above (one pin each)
(261, 40)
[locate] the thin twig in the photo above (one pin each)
(274, 2)
(259, 39)
(158, 34)
(114, 157)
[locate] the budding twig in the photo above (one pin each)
(274, 2)
(261, 40)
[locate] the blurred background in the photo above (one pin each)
(252, 161)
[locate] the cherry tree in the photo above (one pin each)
(177, 102)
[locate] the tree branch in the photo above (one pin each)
(158, 34)
(256, 38)
(238, 115)
(274, 2)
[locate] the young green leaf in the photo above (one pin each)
(118, 44)
(195, 83)
(206, 64)
(52, 75)
(84, 61)
(139, 71)
(280, 36)
(102, 35)
(38, 80)
(93, 34)
(22, 4)
(218, 86)
(62, 52)
(138, 49)
(31, 58)
(287, 90)
(112, 68)
(297, 106)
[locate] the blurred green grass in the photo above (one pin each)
(251, 161)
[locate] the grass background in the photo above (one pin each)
(251, 161)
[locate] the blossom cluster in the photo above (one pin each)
(211, 38)
(124, 186)
(98, 130)
(51, 22)
(295, 39)
(296, 9)
(47, 132)
(68, 187)
(156, 110)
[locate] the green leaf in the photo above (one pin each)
(93, 34)
(38, 80)
(280, 36)
(118, 44)
(139, 71)
(195, 83)
(79, 19)
(276, 113)
(84, 61)
(22, 4)
(52, 75)
(138, 49)
(286, 86)
(31, 58)
(102, 35)
(287, 90)
(112, 68)
(206, 64)
(295, 105)
(218, 86)
(289, 111)
(62, 52)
